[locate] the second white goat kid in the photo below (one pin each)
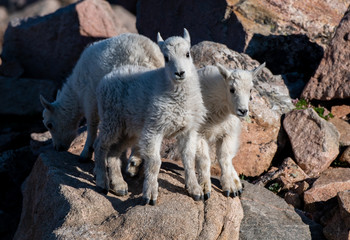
(141, 107)
(226, 95)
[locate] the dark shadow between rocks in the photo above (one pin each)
(315, 228)
(294, 56)
(206, 20)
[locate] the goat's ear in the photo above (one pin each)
(257, 70)
(46, 104)
(160, 40)
(223, 71)
(187, 35)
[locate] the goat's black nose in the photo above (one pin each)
(242, 112)
(180, 74)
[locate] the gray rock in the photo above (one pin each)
(61, 202)
(60, 37)
(267, 216)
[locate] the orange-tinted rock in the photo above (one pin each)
(315, 142)
(341, 111)
(327, 186)
(332, 78)
(343, 128)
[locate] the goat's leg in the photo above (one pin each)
(134, 162)
(226, 151)
(118, 185)
(150, 152)
(92, 125)
(101, 151)
(188, 146)
(203, 166)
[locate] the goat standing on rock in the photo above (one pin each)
(141, 107)
(77, 99)
(226, 95)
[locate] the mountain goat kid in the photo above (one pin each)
(226, 95)
(77, 99)
(139, 107)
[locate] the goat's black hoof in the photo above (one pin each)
(234, 194)
(102, 190)
(145, 201)
(197, 197)
(153, 202)
(206, 196)
(226, 193)
(121, 192)
(240, 192)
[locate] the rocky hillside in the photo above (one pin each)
(294, 156)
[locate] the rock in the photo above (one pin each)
(129, 5)
(291, 173)
(270, 99)
(205, 21)
(335, 228)
(326, 187)
(280, 33)
(331, 80)
(3, 25)
(290, 17)
(38, 8)
(341, 111)
(21, 96)
(15, 165)
(125, 17)
(267, 216)
(315, 141)
(344, 207)
(61, 201)
(293, 199)
(60, 36)
(345, 157)
(343, 128)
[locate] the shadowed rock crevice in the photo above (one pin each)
(293, 56)
(205, 20)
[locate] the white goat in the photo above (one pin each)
(77, 98)
(226, 95)
(138, 107)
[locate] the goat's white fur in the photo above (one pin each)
(141, 107)
(77, 98)
(226, 96)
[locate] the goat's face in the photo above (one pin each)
(177, 57)
(239, 85)
(62, 132)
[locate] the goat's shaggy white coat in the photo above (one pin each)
(226, 96)
(77, 98)
(139, 107)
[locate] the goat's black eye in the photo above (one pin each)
(188, 54)
(232, 90)
(49, 126)
(166, 58)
